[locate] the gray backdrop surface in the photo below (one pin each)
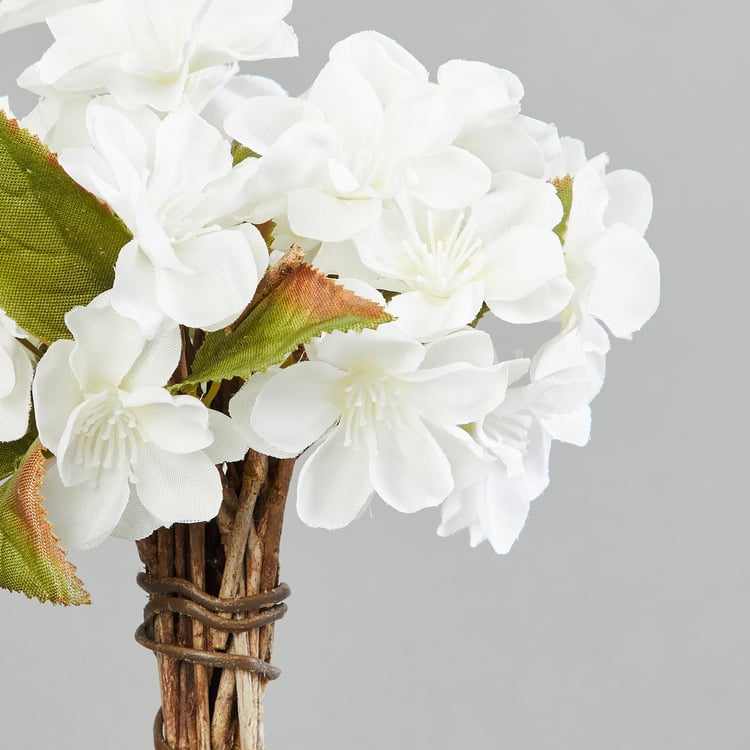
(620, 619)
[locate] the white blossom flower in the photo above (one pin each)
(493, 129)
(447, 263)
(129, 457)
(16, 372)
(60, 121)
(17, 13)
(370, 125)
(173, 184)
(519, 433)
(145, 52)
(382, 413)
(615, 272)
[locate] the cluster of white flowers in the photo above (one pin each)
(438, 198)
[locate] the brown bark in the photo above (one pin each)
(207, 707)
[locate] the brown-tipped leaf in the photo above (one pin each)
(31, 559)
(295, 303)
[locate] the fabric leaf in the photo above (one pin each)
(31, 560)
(294, 303)
(564, 187)
(11, 454)
(58, 243)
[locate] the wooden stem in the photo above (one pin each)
(209, 708)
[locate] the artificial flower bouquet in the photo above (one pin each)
(204, 278)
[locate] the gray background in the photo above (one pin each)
(620, 620)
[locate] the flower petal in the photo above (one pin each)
(297, 406)
(625, 289)
(458, 393)
(177, 489)
(56, 393)
(630, 200)
(468, 346)
(223, 281)
(334, 483)
(410, 471)
(322, 216)
(349, 102)
(240, 410)
(504, 511)
(134, 294)
(230, 443)
(177, 424)
(84, 515)
(136, 522)
(157, 362)
(449, 178)
(107, 345)
(260, 121)
(426, 316)
(181, 133)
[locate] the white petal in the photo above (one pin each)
(241, 407)
(391, 349)
(410, 471)
(230, 444)
(189, 153)
(349, 102)
(107, 345)
(136, 522)
(541, 304)
(574, 428)
(469, 346)
(504, 510)
(134, 294)
(439, 122)
(630, 200)
(56, 393)
(458, 512)
(521, 261)
(84, 515)
(449, 178)
(590, 199)
(334, 483)
(323, 216)
(468, 461)
(177, 425)
(15, 402)
(425, 316)
(259, 122)
(505, 148)
(518, 200)
(297, 406)
(625, 289)
(385, 63)
(223, 281)
(177, 489)
(157, 362)
(459, 393)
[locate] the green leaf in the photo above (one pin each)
(294, 303)
(11, 454)
(58, 243)
(31, 560)
(240, 153)
(564, 187)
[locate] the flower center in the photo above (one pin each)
(107, 437)
(443, 262)
(507, 437)
(370, 400)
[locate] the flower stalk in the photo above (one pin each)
(208, 707)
